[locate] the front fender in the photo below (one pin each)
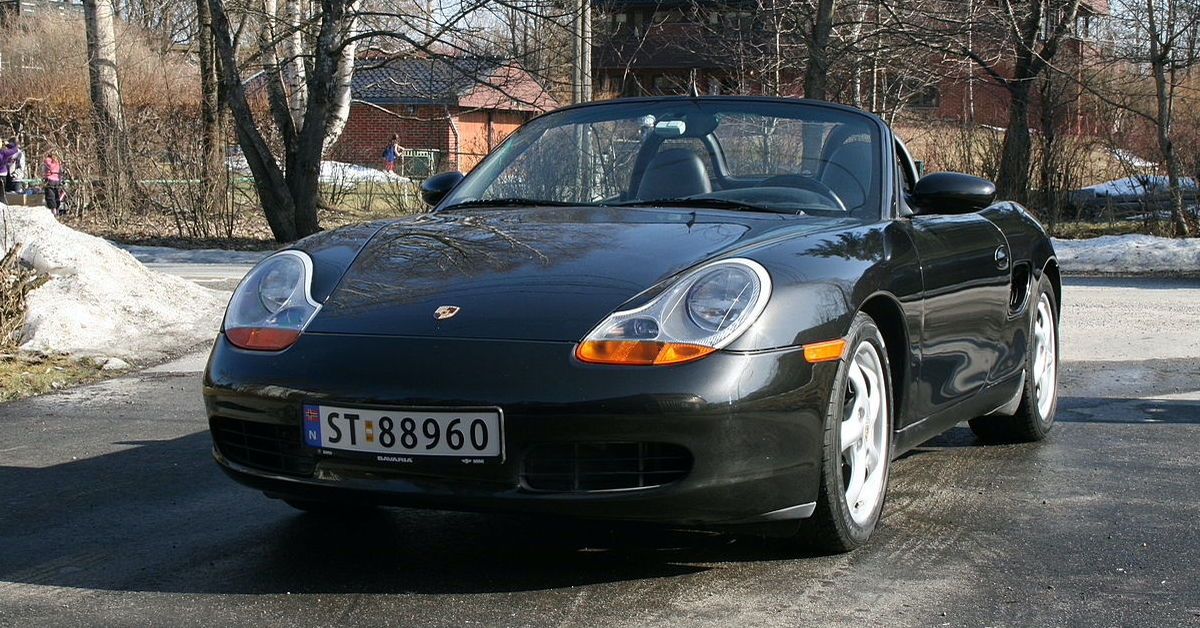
(333, 252)
(821, 282)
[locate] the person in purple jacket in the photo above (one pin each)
(10, 164)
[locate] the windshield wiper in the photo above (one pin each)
(715, 203)
(510, 202)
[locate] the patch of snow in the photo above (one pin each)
(336, 171)
(171, 255)
(237, 164)
(331, 172)
(1128, 254)
(1133, 187)
(1129, 159)
(101, 302)
(114, 364)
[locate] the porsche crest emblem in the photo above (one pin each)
(445, 311)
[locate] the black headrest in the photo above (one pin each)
(674, 173)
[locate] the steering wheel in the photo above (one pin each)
(805, 183)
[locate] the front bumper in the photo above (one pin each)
(753, 424)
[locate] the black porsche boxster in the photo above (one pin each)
(703, 312)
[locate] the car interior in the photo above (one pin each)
(662, 171)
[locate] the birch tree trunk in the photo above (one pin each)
(294, 72)
(342, 77)
(107, 118)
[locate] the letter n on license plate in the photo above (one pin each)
(471, 435)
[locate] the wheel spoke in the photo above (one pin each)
(858, 476)
(855, 374)
(1039, 358)
(852, 431)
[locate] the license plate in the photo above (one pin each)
(397, 435)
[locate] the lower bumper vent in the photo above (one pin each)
(264, 446)
(580, 467)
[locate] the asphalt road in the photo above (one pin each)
(111, 512)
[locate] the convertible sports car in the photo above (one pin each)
(704, 312)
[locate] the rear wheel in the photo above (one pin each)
(857, 445)
(1039, 397)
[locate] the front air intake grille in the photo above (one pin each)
(264, 446)
(580, 467)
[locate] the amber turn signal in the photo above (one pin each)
(639, 352)
(262, 338)
(825, 351)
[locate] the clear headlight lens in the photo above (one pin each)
(704, 311)
(718, 299)
(281, 281)
(273, 304)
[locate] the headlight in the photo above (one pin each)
(273, 304)
(702, 312)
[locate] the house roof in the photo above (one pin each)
(473, 82)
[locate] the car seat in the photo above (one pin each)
(674, 173)
(842, 170)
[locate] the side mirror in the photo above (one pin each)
(952, 193)
(435, 188)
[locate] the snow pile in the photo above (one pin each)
(1129, 254)
(1133, 187)
(99, 300)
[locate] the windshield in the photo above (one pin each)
(780, 157)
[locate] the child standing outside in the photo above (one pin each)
(391, 154)
(11, 165)
(52, 182)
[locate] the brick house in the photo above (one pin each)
(448, 112)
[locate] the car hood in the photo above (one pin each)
(548, 274)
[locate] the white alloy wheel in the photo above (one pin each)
(864, 433)
(1045, 362)
(1037, 399)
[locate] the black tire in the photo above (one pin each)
(1028, 423)
(832, 529)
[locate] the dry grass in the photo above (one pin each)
(45, 59)
(27, 374)
(947, 147)
(1083, 230)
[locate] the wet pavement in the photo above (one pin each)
(112, 512)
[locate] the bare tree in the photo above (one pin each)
(307, 53)
(212, 106)
(1152, 53)
(1013, 42)
(1171, 34)
(105, 89)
